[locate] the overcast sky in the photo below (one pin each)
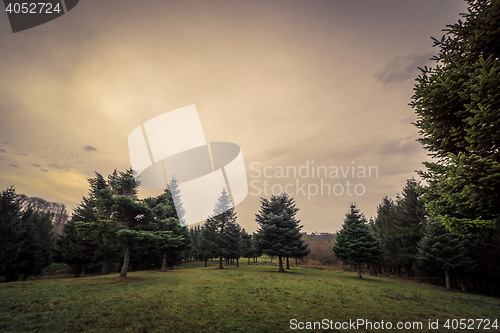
(292, 82)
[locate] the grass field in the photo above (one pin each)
(245, 299)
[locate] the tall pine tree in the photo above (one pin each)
(355, 242)
(11, 235)
(440, 250)
(458, 108)
(216, 227)
(279, 232)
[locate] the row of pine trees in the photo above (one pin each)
(404, 240)
(278, 236)
(113, 230)
(26, 239)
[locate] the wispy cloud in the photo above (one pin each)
(89, 148)
(404, 68)
(55, 166)
(36, 165)
(15, 166)
(402, 147)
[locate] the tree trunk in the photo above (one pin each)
(287, 263)
(281, 264)
(104, 266)
(447, 277)
(126, 261)
(359, 271)
(76, 271)
(83, 271)
(206, 262)
(237, 262)
(220, 262)
(164, 262)
(249, 260)
(296, 262)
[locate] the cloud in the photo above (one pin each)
(55, 166)
(403, 147)
(3, 151)
(402, 69)
(15, 166)
(43, 170)
(89, 148)
(36, 165)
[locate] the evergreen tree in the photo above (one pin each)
(409, 225)
(384, 230)
(177, 199)
(279, 232)
(172, 238)
(194, 233)
(355, 243)
(233, 236)
(458, 108)
(112, 217)
(26, 239)
(94, 222)
(135, 219)
(11, 235)
(173, 244)
(39, 247)
(439, 250)
(300, 248)
(207, 248)
(246, 246)
(73, 250)
(216, 227)
(256, 246)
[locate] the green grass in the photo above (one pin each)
(244, 299)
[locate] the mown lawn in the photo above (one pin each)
(245, 299)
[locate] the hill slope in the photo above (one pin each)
(244, 299)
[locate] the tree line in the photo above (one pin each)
(278, 234)
(405, 240)
(451, 226)
(112, 229)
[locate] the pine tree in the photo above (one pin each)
(207, 247)
(194, 233)
(233, 236)
(256, 246)
(384, 230)
(173, 187)
(171, 238)
(73, 250)
(94, 222)
(26, 238)
(38, 250)
(246, 246)
(135, 218)
(409, 225)
(216, 227)
(279, 232)
(458, 108)
(11, 235)
(441, 250)
(355, 243)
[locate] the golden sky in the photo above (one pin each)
(289, 81)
